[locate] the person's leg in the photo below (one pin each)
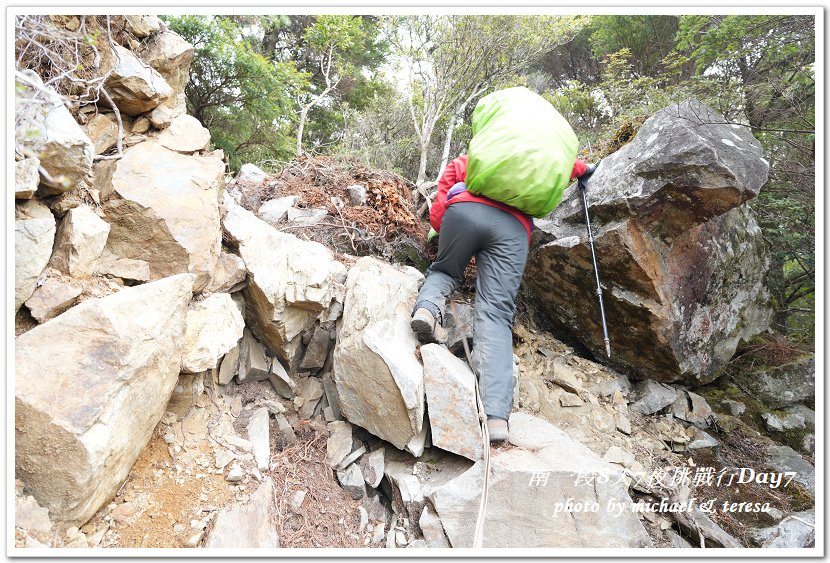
(500, 263)
(457, 243)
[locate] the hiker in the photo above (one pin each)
(498, 235)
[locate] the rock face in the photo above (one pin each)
(51, 299)
(34, 235)
(26, 178)
(529, 492)
(164, 211)
(783, 385)
(102, 130)
(291, 282)
(214, 327)
(681, 259)
(451, 396)
(170, 54)
(45, 127)
(80, 241)
(379, 380)
(84, 409)
(133, 86)
(795, 531)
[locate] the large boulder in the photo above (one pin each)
(170, 54)
(214, 328)
(85, 408)
(46, 130)
(185, 135)
(682, 260)
(550, 491)
(291, 282)
(133, 86)
(378, 377)
(779, 386)
(34, 236)
(164, 210)
(80, 241)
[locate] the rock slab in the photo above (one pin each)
(529, 491)
(451, 397)
(380, 382)
(252, 525)
(34, 237)
(214, 327)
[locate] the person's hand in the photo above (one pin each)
(580, 167)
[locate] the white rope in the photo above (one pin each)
(478, 537)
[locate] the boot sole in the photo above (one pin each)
(423, 330)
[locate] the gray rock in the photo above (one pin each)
(80, 241)
(780, 386)
(351, 458)
(142, 26)
(84, 410)
(364, 519)
(565, 376)
(793, 421)
(102, 130)
(306, 217)
(285, 430)
(623, 423)
(652, 396)
(570, 400)
(372, 466)
(250, 525)
(417, 544)
(378, 534)
(357, 194)
(229, 274)
(339, 444)
(135, 87)
(433, 529)
(26, 178)
(29, 515)
(185, 135)
(34, 236)
(772, 422)
(317, 350)
(692, 408)
(280, 380)
(253, 363)
(251, 173)
(55, 296)
(451, 396)
(229, 366)
(616, 454)
(259, 437)
(670, 202)
(330, 389)
(297, 500)
(528, 492)
(235, 474)
(702, 440)
(784, 458)
(677, 541)
(310, 391)
(275, 211)
(351, 479)
(380, 382)
(214, 327)
(458, 329)
(808, 414)
(796, 531)
(44, 126)
(735, 408)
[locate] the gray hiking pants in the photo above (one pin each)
(498, 240)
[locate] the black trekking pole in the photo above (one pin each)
(582, 189)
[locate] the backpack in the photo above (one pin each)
(522, 151)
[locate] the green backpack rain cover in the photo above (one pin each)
(522, 151)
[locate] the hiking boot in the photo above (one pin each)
(426, 328)
(497, 428)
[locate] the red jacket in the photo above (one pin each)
(456, 171)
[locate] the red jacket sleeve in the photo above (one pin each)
(456, 171)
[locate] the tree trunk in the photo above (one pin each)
(445, 156)
(422, 165)
(300, 128)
